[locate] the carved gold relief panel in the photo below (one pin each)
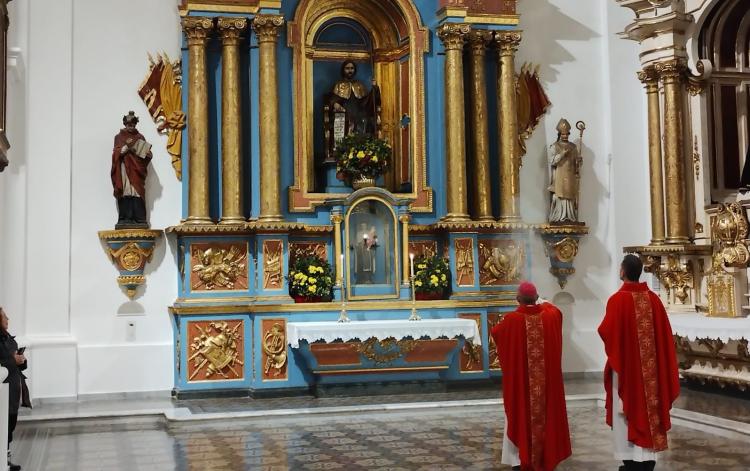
(464, 261)
(500, 261)
(273, 269)
(305, 249)
(423, 248)
(273, 346)
(471, 355)
(493, 318)
(219, 266)
(215, 350)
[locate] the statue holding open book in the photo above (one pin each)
(130, 158)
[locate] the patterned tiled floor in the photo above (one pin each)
(466, 438)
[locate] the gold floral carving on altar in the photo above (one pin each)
(219, 267)
(273, 271)
(423, 248)
(384, 351)
(161, 91)
(307, 249)
(677, 278)
(216, 350)
(500, 261)
(565, 250)
(493, 318)
(273, 345)
(730, 229)
(471, 355)
(131, 256)
(464, 261)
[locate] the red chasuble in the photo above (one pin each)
(529, 346)
(135, 167)
(640, 349)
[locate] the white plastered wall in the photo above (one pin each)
(80, 64)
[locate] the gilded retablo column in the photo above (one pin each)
(405, 260)
(452, 36)
(650, 79)
(266, 28)
(336, 219)
(196, 30)
(482, 210)
(672, 74)
(231, 30)
(510, 156)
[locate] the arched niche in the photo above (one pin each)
(371, 249)
(395, 42)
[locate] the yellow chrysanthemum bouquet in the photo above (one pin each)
(310, 280)
(360, 155)
(432, 277)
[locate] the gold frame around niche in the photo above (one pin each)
(396, 260)
(309, 17)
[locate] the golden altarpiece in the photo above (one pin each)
(696, 70)
(254, 110)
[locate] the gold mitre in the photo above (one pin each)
(563, 127)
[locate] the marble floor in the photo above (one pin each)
(460, 438)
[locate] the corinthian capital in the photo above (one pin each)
(478, 40)
(266, 27)
(197, 29)
(507, 41)
(672, 69)
(648, 75)
(452, 35)
(231, 28)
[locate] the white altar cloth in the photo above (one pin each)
(694, 326)
(398, 329)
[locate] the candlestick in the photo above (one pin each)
(414, 316)
(411, 265)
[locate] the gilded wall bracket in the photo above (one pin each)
(561, 246)
(130, 251)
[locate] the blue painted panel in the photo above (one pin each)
(186, 290)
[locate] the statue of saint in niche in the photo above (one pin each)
(130, 158)
(352, 108)
(565, 164)
(365, 245)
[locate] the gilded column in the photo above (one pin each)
(452, 35)
(482, 210)
(196, 30)
(231, 30)
(672, 74)
(336, 220)
(650, 79)
(510, 156)
(266, 27)
(405, 269)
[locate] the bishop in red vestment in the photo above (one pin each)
(641, 367)
(529, 346)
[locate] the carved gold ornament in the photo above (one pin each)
(216, 351)
(274, 347)
(131, 256)
(730, 228)
(385, 351)
(464, 262)
(677, 278)
(423, 248)
(273, 271)
(696, 159)
(500, 263)
(307, 249)
(565, 250)
(219, 268)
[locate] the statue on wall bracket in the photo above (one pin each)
(131, 244)
(563, 232)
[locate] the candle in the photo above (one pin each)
(411, 258)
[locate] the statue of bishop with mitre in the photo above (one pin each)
(565, 165)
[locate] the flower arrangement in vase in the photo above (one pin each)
(431, 277)
(361, 159)
(310, 280)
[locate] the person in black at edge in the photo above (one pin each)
(15, 362)
(745, 178)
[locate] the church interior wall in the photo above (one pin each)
(81, 76)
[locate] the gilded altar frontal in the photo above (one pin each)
(375, 234)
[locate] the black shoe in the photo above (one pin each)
(13, 467)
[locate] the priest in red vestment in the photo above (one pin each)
(529, 346)
(641, 367)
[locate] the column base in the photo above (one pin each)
(657, 242)
(453, 217)
(198, 220)
(509, 219)
(485, 219)
(678, 241)
(232, 220)
(271, 218)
